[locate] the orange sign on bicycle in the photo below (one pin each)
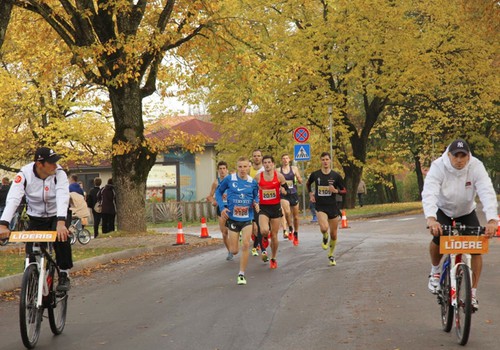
(33, 236)
(463, 245)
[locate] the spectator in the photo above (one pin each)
(91, 201)
(108, 196)
(361, 191)
(74, 186)
(4, 190)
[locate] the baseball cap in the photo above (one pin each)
(46, 154)
(458, 146)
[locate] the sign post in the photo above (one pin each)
(302, 153)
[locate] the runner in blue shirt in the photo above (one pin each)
(242, 197)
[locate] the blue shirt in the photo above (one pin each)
(241, 195)
(75, 187)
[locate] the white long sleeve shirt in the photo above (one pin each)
(454, 191)
(45, 197)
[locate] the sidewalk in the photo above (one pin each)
(132, 245)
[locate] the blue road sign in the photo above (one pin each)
(302, 152)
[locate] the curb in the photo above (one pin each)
(14, 281)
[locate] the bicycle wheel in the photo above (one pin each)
(58, 306)
(30, 317)
(84, 236)
(463, 310)
(445, 301)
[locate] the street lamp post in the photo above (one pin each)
(330, 112)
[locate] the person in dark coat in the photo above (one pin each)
(91, 201)
(107, 194)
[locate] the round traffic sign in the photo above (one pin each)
(301, 134)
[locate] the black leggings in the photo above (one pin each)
(469, 220)
(64, 256)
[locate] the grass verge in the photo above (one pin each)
(12, 261)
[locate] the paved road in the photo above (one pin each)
(375, 298)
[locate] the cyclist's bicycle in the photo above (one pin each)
(77, 232)
(455, 295)
(38, 287)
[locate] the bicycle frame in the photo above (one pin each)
(455, 260)
(41, 256)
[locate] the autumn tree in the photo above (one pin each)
(120, 45)
(45, 101)
(290, 60)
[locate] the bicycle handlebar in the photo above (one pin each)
(463, 230)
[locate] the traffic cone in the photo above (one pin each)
(180, 235)
(344, 220)
(204, 229)
(498, 229)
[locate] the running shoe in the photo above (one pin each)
(285, 234)
(242, 280)
(332, 260)
(265, 258)
(324, 243)
(229, 256)
(265, 242)
(290, 235)
(255, 252)
(273, 264)
(64, 283)
(475, 304)
(434, 286)
(295, 239)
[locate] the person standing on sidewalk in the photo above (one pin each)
(361, 192)
(91, 202)
(222, 172)
(46, 187)
(328, 184)
(108, 197)
(242, 198)
(271, 185)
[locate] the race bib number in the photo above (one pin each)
(324, 191)
(241, 212)
(268, 194)
(289, 183)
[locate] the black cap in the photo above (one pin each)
(45, 154)
(458, 146)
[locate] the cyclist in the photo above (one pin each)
(46, 187)
(449, 193)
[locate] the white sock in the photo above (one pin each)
(241, 273)
(474, 290)
(435, 269)
(65, 271)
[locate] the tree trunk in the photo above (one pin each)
(5, 11)
(420, 176)
(131, 167)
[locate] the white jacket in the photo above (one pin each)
(454, 191)
(45, 198)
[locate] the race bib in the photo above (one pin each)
(268, 194)
(289, 183)
(324, 191)
(241, 212)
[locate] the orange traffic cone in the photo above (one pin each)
(344, 220)
(204, 229)
(498, 229)
(180, 235)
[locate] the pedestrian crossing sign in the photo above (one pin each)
(302, 152)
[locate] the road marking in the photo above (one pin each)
(406, 219)
(380, 220)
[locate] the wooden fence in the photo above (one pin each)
(179, 211)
